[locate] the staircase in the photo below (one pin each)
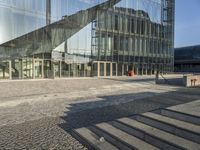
(168, 128)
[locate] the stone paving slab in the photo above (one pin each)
(95, 139)
(125, 137)
(181, 124)
(42, 114)
(140, 134)
(192, 108)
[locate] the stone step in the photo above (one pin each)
(180, 116)
(175, 140)
(181, 124)
(111, 139)
(177, 127)
(132, 141)
(91, 140)
(153, 140)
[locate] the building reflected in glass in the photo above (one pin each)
(79, 38)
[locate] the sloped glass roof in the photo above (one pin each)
(49, 37)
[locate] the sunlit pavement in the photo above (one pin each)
(41, 114)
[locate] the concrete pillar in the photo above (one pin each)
(111, 70)
(53, 70)
(133, 69)
(126, 69)
(122, 69)
(21, 69)
(60, 69)
(142, 73)
(10, 70)
(137, 70)
(33, 68)
(84, 70)
(69, 70)
(98, 69)
(42, 68)
(116, 69)
(105, 69)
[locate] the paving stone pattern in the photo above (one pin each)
(42, 114)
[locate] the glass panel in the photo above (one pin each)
(114, 71)
(4, 70)
(101, 69)
(57, 69)
(125, 69)
(107, 69)
(47, 68)
(119, 69)
(27, 68)
(65, 70)
(95, 69)
(38, 68)
(128, 32)
(16, 69)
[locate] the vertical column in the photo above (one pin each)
(111, 69)
(60, 69)
(116, 69)
(22, 75)
(146, 71)
(33, 68)
(10, 70)
(122, 69)
(98, 69)
(69, 70)
(137, 70)
(126, 69)
(53, 70)
(42, 68)
(84, 70)
(142, 73)
(105, 67)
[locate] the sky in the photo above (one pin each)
(187, 23)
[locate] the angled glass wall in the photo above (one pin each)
(64, 38)
(18, 17)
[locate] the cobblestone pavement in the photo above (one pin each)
(40, 114)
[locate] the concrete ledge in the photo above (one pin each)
(188, 80)
(192, 80)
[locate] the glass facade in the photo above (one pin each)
(80, 38)
(187, 59)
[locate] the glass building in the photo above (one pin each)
(187, 59)
(81, 38)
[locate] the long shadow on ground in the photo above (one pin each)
(94, 113)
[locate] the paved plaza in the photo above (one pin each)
(41, 114)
